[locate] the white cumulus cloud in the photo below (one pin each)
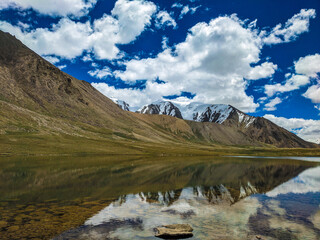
(164, 19)
(101, 73)
(295, 26)
(307, 129)
(64, 39)
(309, 65)
(313, 93)
(62, 66)
(265, 70)
(52, 7)
(306, 70)
(164, 42)
(69, 39)
(271, 106)
(136, 97)
(294, 82)
(186, 9)
(213, 63)
(132, 17)
(52, 59)
(317, 106)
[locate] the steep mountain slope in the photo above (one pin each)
(40, 103)
(47, 96)
(31, 82)
(263, 130)
(42, 107)
(36, 87)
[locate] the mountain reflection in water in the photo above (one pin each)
(231, 199)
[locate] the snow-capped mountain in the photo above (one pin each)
(233, 122)
(122, 104)
(206, 112)
(161, 108)
(217, 113)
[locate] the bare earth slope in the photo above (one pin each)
(42, 108)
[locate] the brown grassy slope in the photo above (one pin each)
(23, 131)
(30, 82)
(205, 132)
(43, 106)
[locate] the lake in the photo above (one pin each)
(126, 197)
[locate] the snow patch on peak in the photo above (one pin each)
(245, 119)
(241, 116)
(195, 111)
(122, 104)
(200, 112)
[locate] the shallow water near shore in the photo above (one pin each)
(308, 159)
(127, 197)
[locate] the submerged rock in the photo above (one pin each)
(174, 231)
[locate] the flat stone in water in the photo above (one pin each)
(174, 231)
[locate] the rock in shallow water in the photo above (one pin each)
(174, 231)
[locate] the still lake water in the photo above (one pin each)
(127, 197)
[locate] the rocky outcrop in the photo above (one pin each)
(174, 231)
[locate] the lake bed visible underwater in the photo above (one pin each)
(98, 197)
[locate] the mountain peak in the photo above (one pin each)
(161, 108)
(200, 112)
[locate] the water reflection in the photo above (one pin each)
(249, 201)
(308, 181)
(309, 159)
(125, 198)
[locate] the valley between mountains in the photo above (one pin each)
(46, 111)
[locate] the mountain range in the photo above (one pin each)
(257, 128)
(44, 109)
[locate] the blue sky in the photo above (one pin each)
(259, 56)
